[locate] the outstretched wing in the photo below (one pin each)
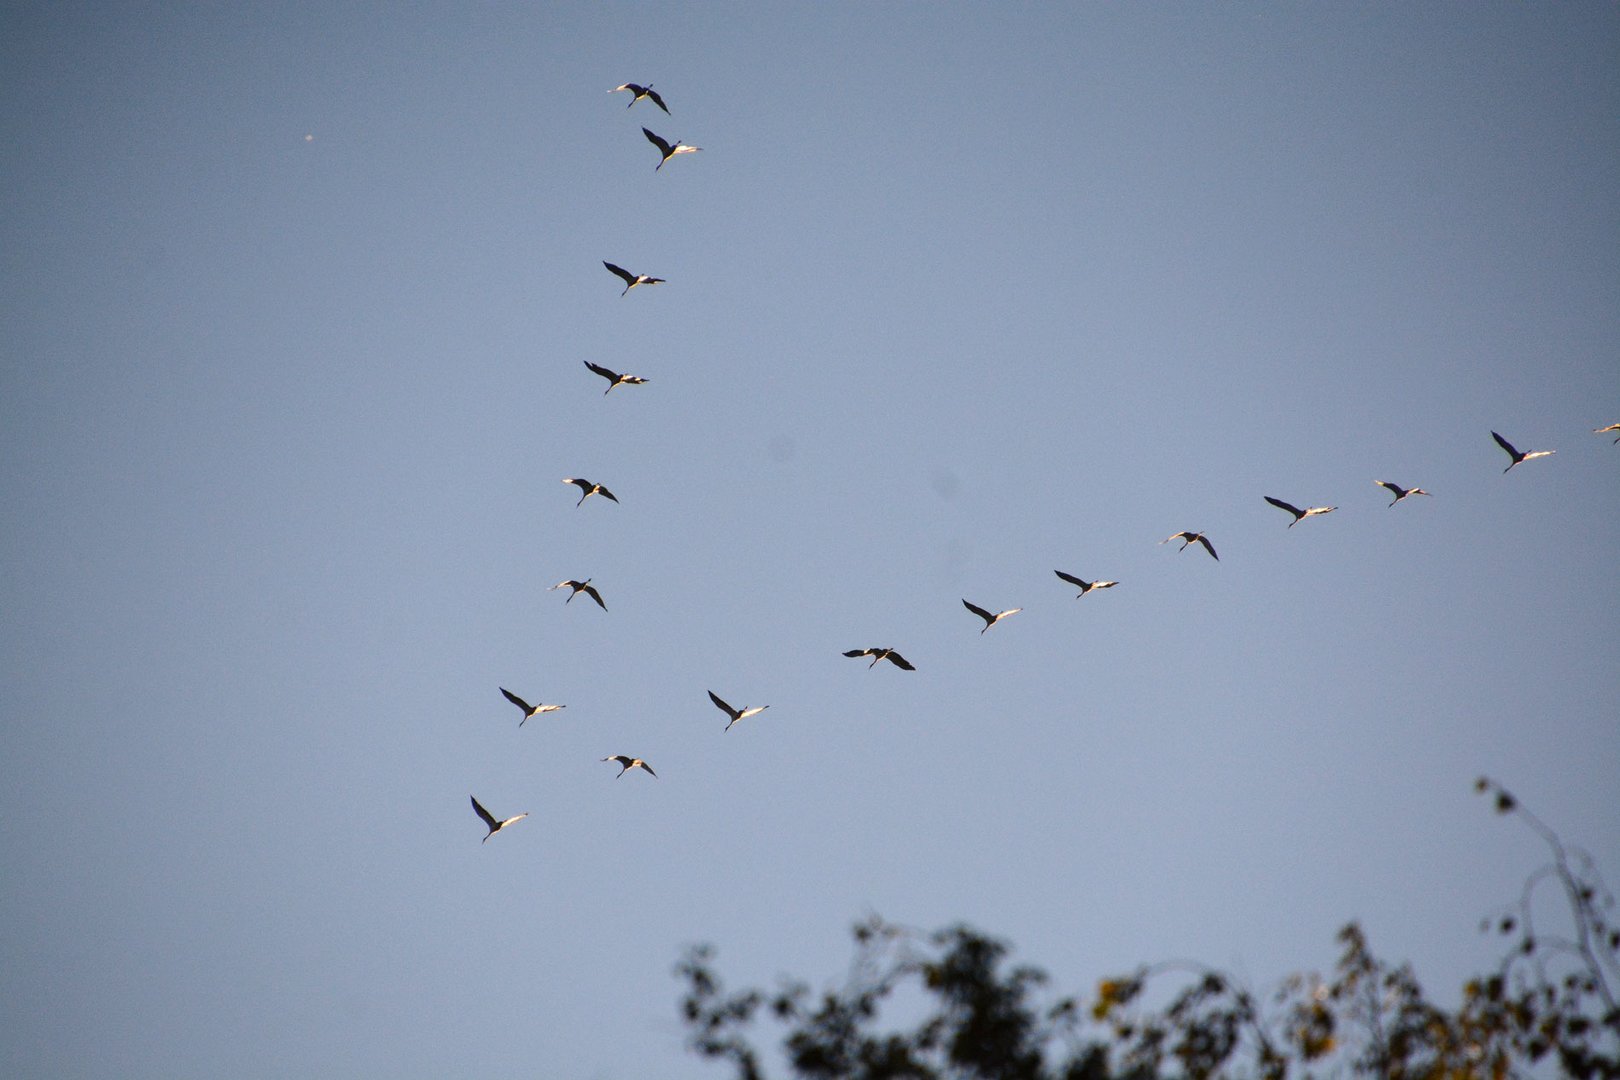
(1071, 579)
(629, 278)
(519, 702)
(1504, 444)
(979, 611)
(607, 373)
(1279, 504)
(485, 815)
(1209, 547)
(652, 94)
(899, 661)
(600, 490)
(727, 709)
(860, 652)
(663, 147)
(590, 590)
(648, 767)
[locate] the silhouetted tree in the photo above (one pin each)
(1549, 1005)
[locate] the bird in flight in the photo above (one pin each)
(1084, 586)
(632, 280)
(1398, 491)
(1515, 455)
(667, 149)
(735, 714)
(1605, 430)
(614, 378)
(882, 654)
(639, 92)
(580, 587)
(1192, 538)
(989, 619)
(589, 488)
(489, 819)
(627, 763)
(529, 711)
(1299, 515)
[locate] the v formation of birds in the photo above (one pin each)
(627, 763)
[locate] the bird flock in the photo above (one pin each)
(627, 763)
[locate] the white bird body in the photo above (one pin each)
(632, 280)
(1606, 430)
(529, 711)
(1299, 515)
(1084, 586)
(626, 763)
(614, 378)
(878, 653)
(589, 488)
(1515, 455)
(580, 587)
(989, 619)
(490, 820)
(1398, 491)
(639, 92)
(669, 150)
(736, 714)
(1188, 538)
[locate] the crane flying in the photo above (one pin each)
(489, 819)
(626, 763)
(1192, 538)
(669, 150)
(614, 378)
(1515, 455)
(1299, 515)
(736, 714)
(1398, 491)
(877, 654)
(989, 619)
(639, 92)
(580, 587)
(529, 711)
(589, 487)
(1084, 586)
(632, 280)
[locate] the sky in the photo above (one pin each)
(297, 303)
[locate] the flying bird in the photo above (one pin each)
(735, 714)
(1515, 455)
(632, 280)
(882, 654)
(639, 92)
(667, 149)
(579, 587)
(489, 819)
(1084, 586)
(989, 619)
(529, 711)
(589, 488)
(614, 378)
(1299, 515)
(1398, 491)
(1192, 538)
(627, 763)
(1603, 430)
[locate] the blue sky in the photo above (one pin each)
(297, 305)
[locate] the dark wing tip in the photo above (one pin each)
(1070, 578)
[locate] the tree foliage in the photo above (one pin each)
(1547, 1007)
